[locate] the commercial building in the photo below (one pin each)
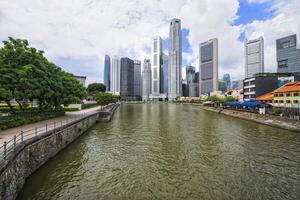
(254, 57)
(227, 81)
(208, 67)
(164, 74)
(146, 77)
(175, 60)
(287, 96)
(106, 73)
(115, 75)
(237, 84)
(266, 82)
(288, 55)
(137, 91)
(190, 81)
(127, 78)
(82, 79)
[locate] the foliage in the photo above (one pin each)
(105, 98)
(214, 98)
(27, 75)
(89, 105)
(71, 109)
(95, 88)
(277, 111)
(229, 99)
(22, 118)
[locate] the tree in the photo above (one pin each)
(95, 88)
(214, 98)
(26, 74)
(103, 99)
(229, 99)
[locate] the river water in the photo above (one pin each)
(169, 151)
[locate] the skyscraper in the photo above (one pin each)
(288, 56)
(208, 70)
(227, 81)
(254, 57)
(115, 75)
(164, 74)
(146, 76)
(190, 77)
(127, 78)
(175, 59)
(156, 66)
(137, 78)
(107, 72)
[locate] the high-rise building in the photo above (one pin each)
(164, 74)
(146, 76)
(190, 77)
(227, 81)
(137, 79)
(254, 57)
(156, 66)
(208, 70)
(127, 78)
(288, 55)
(115, 75)
(175, 60)
(237, 84)
(107, 72)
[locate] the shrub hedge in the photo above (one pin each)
(22, 118)
(71, 109)
(90, 105)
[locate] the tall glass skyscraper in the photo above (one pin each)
(137, 78)
(288, 55)
(254, 57)
(146, 77)
(208, 70)
(127, 78)
(164, 74)
(227, 81)
(156, 66)
(175, 60)
(115, 75)
(106, 73)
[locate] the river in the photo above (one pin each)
(169, 151)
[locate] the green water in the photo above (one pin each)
(168, 151)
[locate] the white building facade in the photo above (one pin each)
(146, 80)
(175, 60)
(115, 75)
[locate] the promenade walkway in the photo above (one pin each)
(43, 126)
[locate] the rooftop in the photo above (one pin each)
(289, 87)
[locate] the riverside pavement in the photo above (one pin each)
(9, 134)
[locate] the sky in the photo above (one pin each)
(76, 34)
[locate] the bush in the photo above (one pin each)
(277, 111)
(71, 109)
(21, 118)
(90, 105)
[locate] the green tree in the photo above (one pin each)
(103, 99)
(214, 98)
(229, 99)
(95, 88)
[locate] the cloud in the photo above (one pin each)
(77, 34)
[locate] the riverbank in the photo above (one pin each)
(29, 155)
(275, 121)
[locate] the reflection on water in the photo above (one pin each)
(168, 151)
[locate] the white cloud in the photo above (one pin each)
(84, 31)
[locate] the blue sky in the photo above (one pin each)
(76, 35)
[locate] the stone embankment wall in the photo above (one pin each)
(34, 152)
(275, 121)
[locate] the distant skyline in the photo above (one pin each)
(77, 34)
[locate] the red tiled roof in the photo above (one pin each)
(289, 87)
(265, 97)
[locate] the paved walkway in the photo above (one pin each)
(29, 129)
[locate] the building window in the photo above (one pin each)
(288, 101)
(155, 59)
(296, 94)
(296, 101)
(275, 101)
(275, 95)
(281, 95)
(281, 101)
(288, 94)
(282, 63)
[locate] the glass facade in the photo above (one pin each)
(106, 73)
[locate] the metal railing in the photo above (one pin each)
(10, 146)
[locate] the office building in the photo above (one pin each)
(81, 79)
(237, 84)
(164, 74)
(115, 75)
(190, 78)
(254, 57)
(288, 55)
(127, 78)
(146, 77)
(227, 81)
(266, 82)
(137, 79)
(156, 66)
(175, 60)
(106, 73)
(208, 67)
